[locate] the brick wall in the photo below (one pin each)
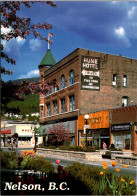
(110, 96)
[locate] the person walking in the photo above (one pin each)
(104, 146)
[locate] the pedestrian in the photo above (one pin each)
(104, 146)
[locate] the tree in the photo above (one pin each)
(58, 135)
(19, 27)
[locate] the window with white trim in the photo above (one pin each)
(54, 107)
(48, 109)
(114, 80)
(71, 77)
(125, 80)
(62, 84)
(71, 103)
(124, 101)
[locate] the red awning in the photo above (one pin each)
(8, 131)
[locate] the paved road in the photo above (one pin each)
(65, 161)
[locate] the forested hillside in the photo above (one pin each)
(29, 105)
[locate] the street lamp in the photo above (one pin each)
(86, 117)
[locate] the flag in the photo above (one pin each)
(50, 34)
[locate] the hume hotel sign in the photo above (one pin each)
(90, 73)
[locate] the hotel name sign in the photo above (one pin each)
(90, 73)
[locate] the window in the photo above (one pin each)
(124, 101)
(71, 103)
(41, 111)
(55, 87)
(114, 80)
(126, 141)
(71, 77)
(54, 107)
(62, 105)
(41, 91)
(62, 84)
(48, 109)
(125, 80)
(48, 92)
(117, 141)
(41, 77)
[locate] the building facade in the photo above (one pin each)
(24, 130)
(86, 82)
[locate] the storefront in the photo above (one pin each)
(122, 136)
(97, 129)
(123, 128)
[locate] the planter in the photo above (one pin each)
(124, 153)
(89, 156)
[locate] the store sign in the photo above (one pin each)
(124, 127)
(97, 120)
(8, 131)
(90, 73)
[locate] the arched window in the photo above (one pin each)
(41, 77)
(71, 77)
(55, 86)
(62, 84)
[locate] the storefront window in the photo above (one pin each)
(126, 141)
(117, 141)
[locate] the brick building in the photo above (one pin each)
(88, 82)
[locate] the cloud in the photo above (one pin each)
(30, 74)
(132, 11)
(13, 46)
(20, 40)
(5, 30)
(35, 44)
(120, 31)
(5, 45)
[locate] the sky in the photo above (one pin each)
(103, 26)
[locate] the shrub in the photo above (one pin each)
(42, 165)
(13, 164)
(58, 135)
(9, 160)
(52, 147)
(88, 175)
